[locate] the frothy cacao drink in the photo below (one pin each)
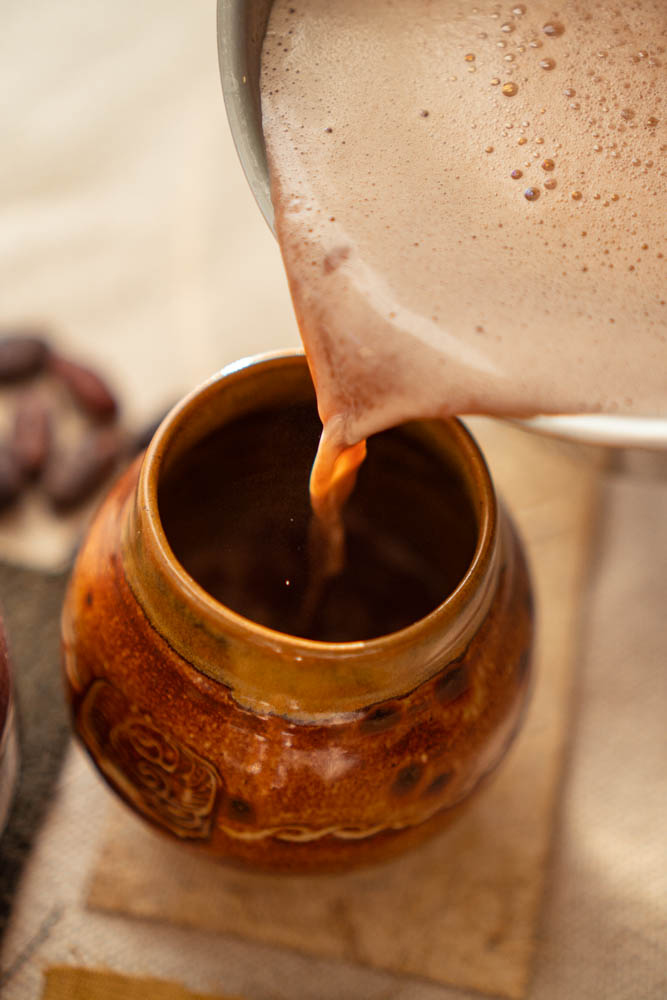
(471, 208)
(471, 204)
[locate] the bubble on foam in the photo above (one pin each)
(553, 29)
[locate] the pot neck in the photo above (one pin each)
(266, 670)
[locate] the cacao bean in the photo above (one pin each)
(73, 476)
(21, 356)
(87, 388)
(11, 480)
(32, 432)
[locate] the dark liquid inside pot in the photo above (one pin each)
(236, 513)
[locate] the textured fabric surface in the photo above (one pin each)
(70, 983)
(604, 932)
(31, 605)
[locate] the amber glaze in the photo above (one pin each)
(265, 749)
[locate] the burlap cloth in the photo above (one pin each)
(127, 225)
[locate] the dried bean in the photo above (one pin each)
(32, 432)
(73, 476)
(21, 355)
(11, 480)
(87, 387)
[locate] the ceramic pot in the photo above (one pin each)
(260, 747)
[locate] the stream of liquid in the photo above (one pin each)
(332, 480)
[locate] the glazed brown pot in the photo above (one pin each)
(263, 748)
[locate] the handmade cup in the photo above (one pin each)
(261, 747)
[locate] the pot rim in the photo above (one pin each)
(475, 473)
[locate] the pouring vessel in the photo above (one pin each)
(241, 28)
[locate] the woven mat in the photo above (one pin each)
(463, 909)
(66, 982)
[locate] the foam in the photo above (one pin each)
(424, 282)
